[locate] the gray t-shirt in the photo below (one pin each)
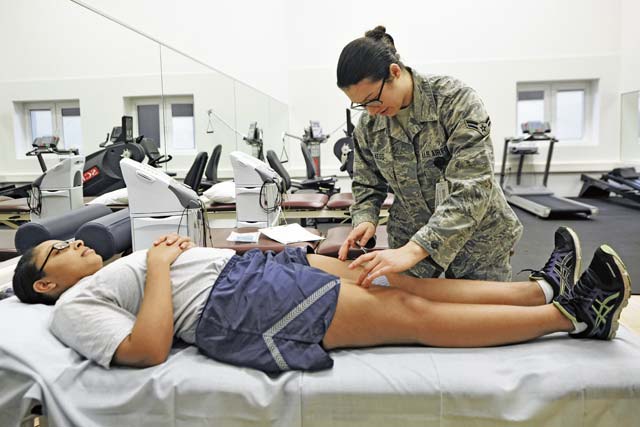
(95, 315)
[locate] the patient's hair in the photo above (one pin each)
(25, 274)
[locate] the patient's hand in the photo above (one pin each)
(169, 239)
(167, 248)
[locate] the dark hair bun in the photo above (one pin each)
(379, 33)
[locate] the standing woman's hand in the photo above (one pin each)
(360, 234)
(380, 263)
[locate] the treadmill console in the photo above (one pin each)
(46, 142)
(536, 129)
(123, 133)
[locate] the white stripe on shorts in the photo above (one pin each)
(288, 318)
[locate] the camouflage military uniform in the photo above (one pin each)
(471, 232)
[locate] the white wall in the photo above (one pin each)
(245, 39)
(54, 50)
(630, 45)
(67, 52)
(289, 50)
(55, 39)
(491, 45)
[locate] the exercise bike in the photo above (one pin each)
(310, 145)
(254, 139)
(343, 148)
(102, 172)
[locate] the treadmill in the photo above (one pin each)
(625, 182)
(538, 200)
(625, 176)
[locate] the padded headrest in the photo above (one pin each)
(107, 235)
(60, 227)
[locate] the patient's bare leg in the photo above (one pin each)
(379, 315)
(446, 290)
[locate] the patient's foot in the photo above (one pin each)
(595, 302)
(563, 267)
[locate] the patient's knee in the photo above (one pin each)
(412, 304)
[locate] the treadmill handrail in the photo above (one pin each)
(552, 141)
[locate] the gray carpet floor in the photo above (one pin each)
(617, 224)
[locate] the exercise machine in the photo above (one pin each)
(258, 192)
(538, 200)
(311, 139)
(158, 204)
(59, 189)
(343, 148)
(154, 157)
(310, 142)
(102, 172)
(625, 176)
(625, 182)
(254, 139)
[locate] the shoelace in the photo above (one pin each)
(548, 267)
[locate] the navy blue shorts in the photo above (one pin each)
(269, 312)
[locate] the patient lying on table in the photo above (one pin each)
(277, 312)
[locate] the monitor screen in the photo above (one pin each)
(127, 127)
(252, 134)
(316, 130)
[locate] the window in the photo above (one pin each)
(569, 116)
(176, 118)
(51, 118)
(41, 122)
(530, 106)
(149, 121)
(565, 105)
(71, 130)
(182, 126)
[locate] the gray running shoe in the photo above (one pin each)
(597, 299)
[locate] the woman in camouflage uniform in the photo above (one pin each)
(425, 137)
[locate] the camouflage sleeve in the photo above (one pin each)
(368, 187)
(469, 175)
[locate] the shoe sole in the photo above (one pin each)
(626, 280)
(576, 244)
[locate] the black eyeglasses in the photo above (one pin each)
(372, 103)
(58, 246)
